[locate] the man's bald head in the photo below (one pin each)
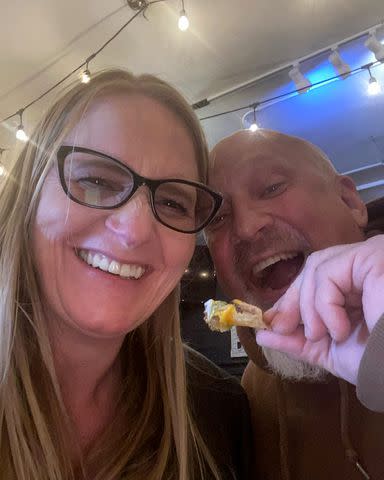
(243, 141)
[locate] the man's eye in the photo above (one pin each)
(274, 189)
(217, 221)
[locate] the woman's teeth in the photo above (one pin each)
(97, 260)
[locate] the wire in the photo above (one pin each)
(91, 57)
(284, 95)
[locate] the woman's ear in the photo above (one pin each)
(351, 198)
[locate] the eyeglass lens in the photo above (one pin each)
(98, 181)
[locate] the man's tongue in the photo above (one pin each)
(281, 273)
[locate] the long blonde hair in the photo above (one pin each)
(154, 406)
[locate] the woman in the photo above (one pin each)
(93, 242)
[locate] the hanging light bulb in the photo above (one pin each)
(253, 127)
(20, 133)
(249, 119)
(2, 168)
(86, 75)
(183, 19)
(374, 87)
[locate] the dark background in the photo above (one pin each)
(199, 284)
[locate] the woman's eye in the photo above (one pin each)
(173, 205)
(98, 182)
(217, 221)
(274, 189)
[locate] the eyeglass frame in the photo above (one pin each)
(138, 181)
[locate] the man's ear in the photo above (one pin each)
(352, 199)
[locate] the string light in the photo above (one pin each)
(373, 85)
(2, 168)
(249, 119)
(377, 48)
(20, 133)
(342, 68)
(302, 83)
(86, 75)
(183, 19)
(141, 5)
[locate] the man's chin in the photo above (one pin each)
(291, 369)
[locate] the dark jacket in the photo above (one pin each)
(222, 412)
(313, 431)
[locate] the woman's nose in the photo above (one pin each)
(134, 221)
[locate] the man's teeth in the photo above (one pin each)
(97, 260)
(259, 267)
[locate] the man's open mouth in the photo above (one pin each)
(277, 271)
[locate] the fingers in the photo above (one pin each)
(317, 298)
(292, 344)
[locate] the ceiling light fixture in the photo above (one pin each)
(342, 68)
(20, 133)
(302, 84)
(183, 19)
(377, 48)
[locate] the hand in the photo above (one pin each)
(327, 314)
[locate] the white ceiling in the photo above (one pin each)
(229, 42)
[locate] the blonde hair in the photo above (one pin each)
(153, 404)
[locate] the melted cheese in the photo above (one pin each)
(226, 315)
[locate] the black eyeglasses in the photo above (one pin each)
(97, 180)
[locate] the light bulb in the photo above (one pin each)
(21, 135)
(373, 86)
(183, 21)
(253, 127)
(2, 170)
(86, 76)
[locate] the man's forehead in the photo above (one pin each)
(236, 156)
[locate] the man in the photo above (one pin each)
(283, 200)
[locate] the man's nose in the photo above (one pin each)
(133, 222)
(250, 220)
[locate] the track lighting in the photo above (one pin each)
(342, 68)
(183, 19)
(373, 85)
(302, 84)
(20, 133)
(377, 48)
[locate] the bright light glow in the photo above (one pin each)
(2, 170)
(21, 135)
(253, 127)
(204, 274)
(373, 86)
(86, 76)
(183, 21)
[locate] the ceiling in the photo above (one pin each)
(228, 43)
